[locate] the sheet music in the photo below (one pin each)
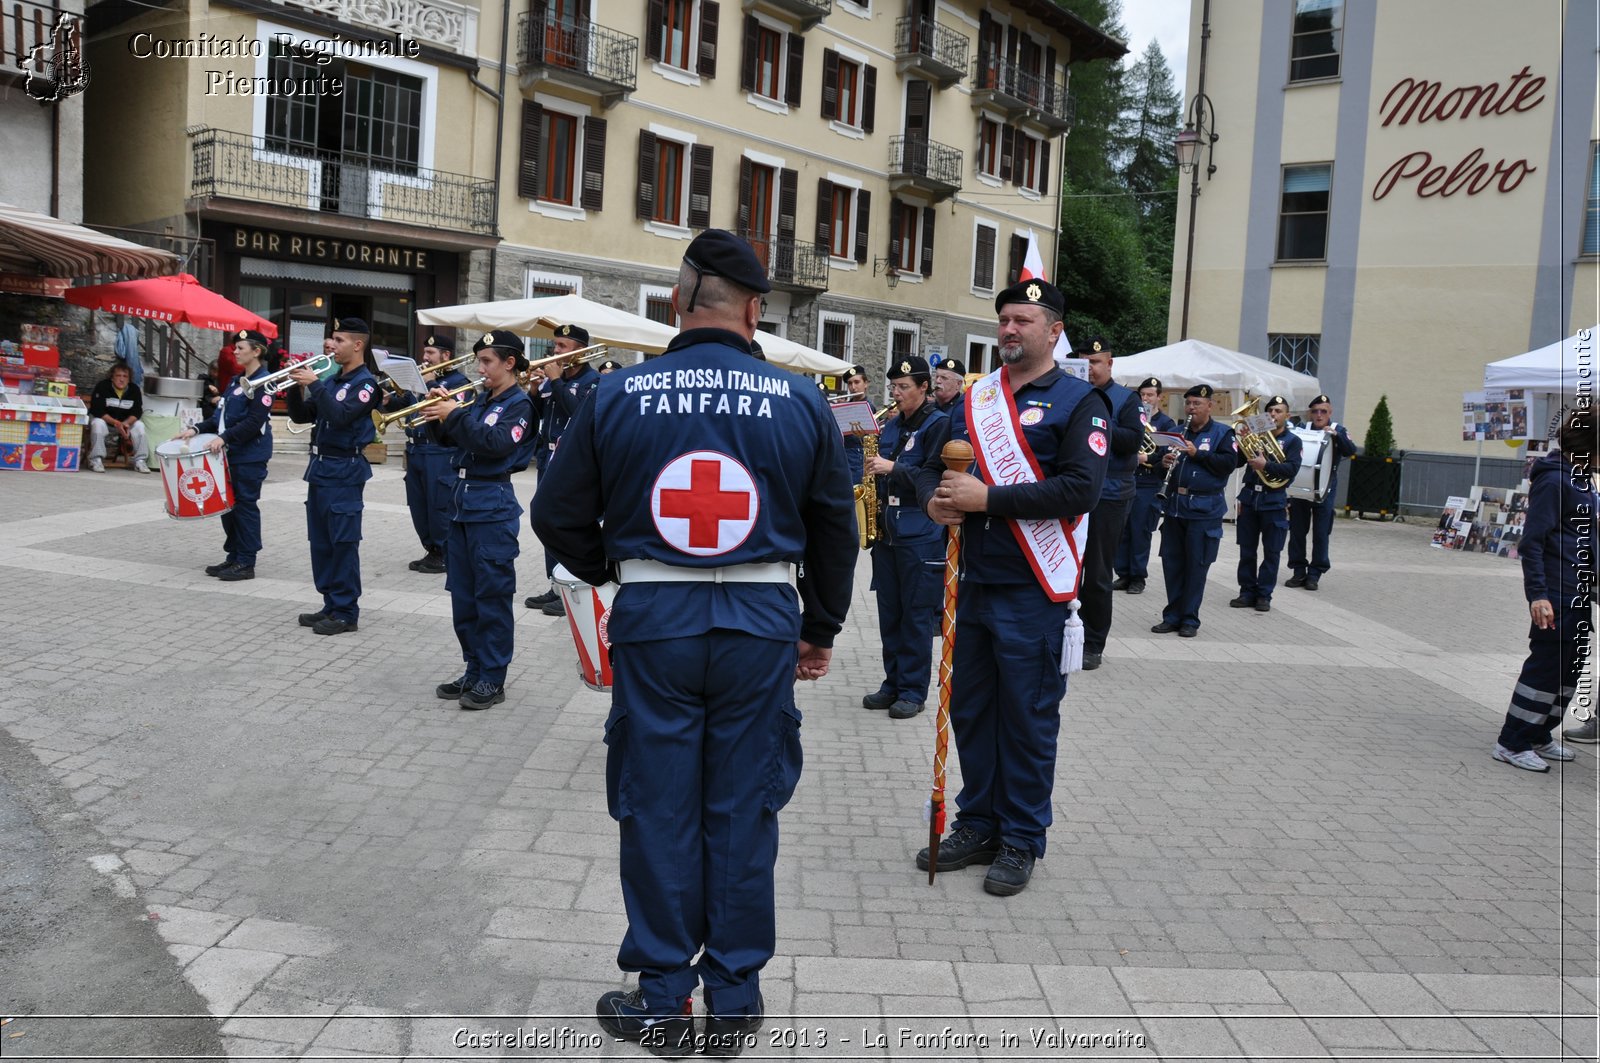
(404, 372)
(855, 417)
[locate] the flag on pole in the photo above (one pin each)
(1033, 270)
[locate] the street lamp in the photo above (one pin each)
(1199, 131)
(886, 265)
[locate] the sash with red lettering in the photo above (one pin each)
(1054, 547)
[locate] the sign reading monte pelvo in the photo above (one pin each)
(1412, 99)
(326, 250)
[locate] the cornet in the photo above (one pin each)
(410, 417)
(279, 382)
(562, 361)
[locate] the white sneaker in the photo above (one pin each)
(142, 468)
(96, 465)
(1555, 751)
(1527, 760)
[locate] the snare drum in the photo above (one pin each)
(196, 480)
(588, 613)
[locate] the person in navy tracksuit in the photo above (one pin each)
(241, 424)
(338, 471)
(1264, 513)
(1105, 522)
(429, 477)
(908, 559)
(1194, 509)
(557, 400)
(1558, 577)
(1317, 517)
(714, 487)
(486, 435)
(1007, 685)
(1132, 562)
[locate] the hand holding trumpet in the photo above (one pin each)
(438, 411)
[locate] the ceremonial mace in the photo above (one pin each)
(957, 457)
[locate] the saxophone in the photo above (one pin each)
(866, 492)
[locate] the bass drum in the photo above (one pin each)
(1315, 475)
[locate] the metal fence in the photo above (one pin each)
(1427, 479)
(925, 37)
(594, 52)
(924, 158)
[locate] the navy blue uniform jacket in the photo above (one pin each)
(244, 422)
(1558, 545)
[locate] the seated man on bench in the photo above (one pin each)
(117, 407)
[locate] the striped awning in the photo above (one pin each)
(35, 243)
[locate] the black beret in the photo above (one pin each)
(573, 332)
(252, 336)
(952, 365)
(1034, 293)
(353, 325)
(1199, 391)
(501, 339)
(1321, 399)
(1096, 345)
(443, 343)
(912, 365)
(1149, 382)
(854, 371)
(1276, 400)
(722, 254)
(609, 366)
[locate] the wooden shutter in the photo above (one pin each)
(824, 214)
(927, 241)
(793, 69)
(1045, 182)
(983, 259)
(918, 104)
(1008, 147)
(751, 57)
(594, 163)
(863, 214)
(741, 221)
(529, 170)
(1019, 251)
(830, 83)
(700, 186)
(645, 206)
(654, 21)
(788, 198)
(709, 14)
(869, 98)
(1050, 78)
(895, 207)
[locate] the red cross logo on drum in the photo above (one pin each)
(704, 503)
(197, 486)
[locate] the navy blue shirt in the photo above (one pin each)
(243, 422)
(1200, 480)
(903, 442)
(1558, 536)
(705, 458)
(1253, 494)
(424, 436)
(1127, 431)
(342, 408)
(488, 436)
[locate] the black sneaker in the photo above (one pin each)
(217, 570)
(1091, 661)
(727, 1036)
(904, 709)
(878, 701)
(1297, 580)
(312, 619)
(538, 601)
(554, 608)
(624, 1016)
(1263, 606)
(416, 566)
(332, 625)
(482, 695)
(1010, 872)
(963, 846)
(236, 573)
(1241, 602)
(1166, 627)
(453, 689)
(1310, 584)
(1188, 631)
(1121, 583)
(432, 565)
(1136, 586)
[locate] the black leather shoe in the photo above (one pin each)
(453, 689)
(624, 1016)
(236, 573)
(1298, 580)
(1121, 583)
(482, 696)
(1263, 607)
(312, 619)
(538, 601)
(878, 701)
(1310, 583)
(1091, 661)
(727, 1036)
(332, 625)
(904, 710)
(962, 846)
(1164, 628)
(555, 608)
(1136, 586)
(1010, 872)
(432, 565)
(416, 566)
(1188, 631)
(1241, 602)
(217, 570)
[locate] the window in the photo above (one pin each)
(674, 180)
(989, 147)
(682, 34)
(1294, 352)
(677, 32)
(769, 61)
(1316, 39)
(536, 284)
(655, 303)
(1591, 213)
(838, 335)
(670, 157)
(1017, 254)
(849, 91)
(842, 227)
(1303, 217)
(903, 340)
(981, 356)
(843, 210)
(560, 136)
(1029, 171)
(911, 238)
(772, 62)
(377, 119)
(983, 245)
(562, 157)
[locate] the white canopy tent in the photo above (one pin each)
(606, 324)
(1180, 366)
(1556, 368)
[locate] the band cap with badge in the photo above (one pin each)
(949, 365)
(912, 365)
(1149, 382)
(573, 332)
(441, 343)
(1033, 293)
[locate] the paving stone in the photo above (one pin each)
(226, 977)
(187, 926)
(1214, 987)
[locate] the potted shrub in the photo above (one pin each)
(1375, 472)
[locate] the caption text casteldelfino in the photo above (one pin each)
(321, 53)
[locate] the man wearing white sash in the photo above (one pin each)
(1040, 438)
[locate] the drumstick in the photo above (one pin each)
(957, 457)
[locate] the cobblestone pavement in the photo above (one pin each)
(1284, 838)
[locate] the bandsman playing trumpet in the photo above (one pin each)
(1264, 510)
(429, 478)
(338, 471)
(487, 435)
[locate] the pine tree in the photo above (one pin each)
(1380, 432)
(1090, 151)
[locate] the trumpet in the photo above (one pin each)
(1147, 444)
(1258, 444)
(562, 361)
(409, 417)
(279, 382)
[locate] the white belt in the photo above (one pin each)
(640, 570)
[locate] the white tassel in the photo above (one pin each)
(1072, 642)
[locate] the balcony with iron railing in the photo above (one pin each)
(792, 265)
(806, 12)
(581, 55)
(922, 165)
(236, 166)
(1022, 93)
(922, 45)
(40, 42)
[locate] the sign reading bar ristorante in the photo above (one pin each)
(1413, 100)
(327, 250)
